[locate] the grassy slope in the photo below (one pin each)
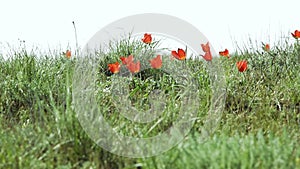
(259, 127)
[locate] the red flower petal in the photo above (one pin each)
(242, 65)
(205, 47)
(134, 67)
(156, 63)
(224, 53)
(126, 60)
(114, 67)
(207, 56)
(296, 34)
(175, 54)
(267, 47)
(180, 54)
(147, 38)
(68, 54)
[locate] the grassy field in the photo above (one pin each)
(259, 126)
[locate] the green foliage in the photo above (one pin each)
(259, 126)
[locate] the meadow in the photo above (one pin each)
(259, 126)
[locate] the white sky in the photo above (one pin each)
(48, 24)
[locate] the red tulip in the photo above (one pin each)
(156, 63)
(296, 34)
(207, 56)
(68, 54)
(134, 67)
(242, 65)
(127, 60)
(180, 54)
(267, 47)
(147, 38)
(114, 67)
(225, 53)
(205, 47)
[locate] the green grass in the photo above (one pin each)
(259, 127)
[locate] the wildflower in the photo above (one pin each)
(134, 67)
(147, 38)
(180, 54)
(267, 47)
(296, 34)
(114, 67)
(241, 65)
(127, 60)
(225, 53)
(156, 63)
(207, 56)
(68, 54)
(205, 47)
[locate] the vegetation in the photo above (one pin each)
(259, 126)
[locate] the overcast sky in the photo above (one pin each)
(49, 23)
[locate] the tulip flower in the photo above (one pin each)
(225, 53)
(206, 49)
(126, 60)
(296, 34)
(114, 67)
(242, 65)
(68, 54)
(156, 62)
(147, 38)
(134, 67)
(267, 47)
(180, 54)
